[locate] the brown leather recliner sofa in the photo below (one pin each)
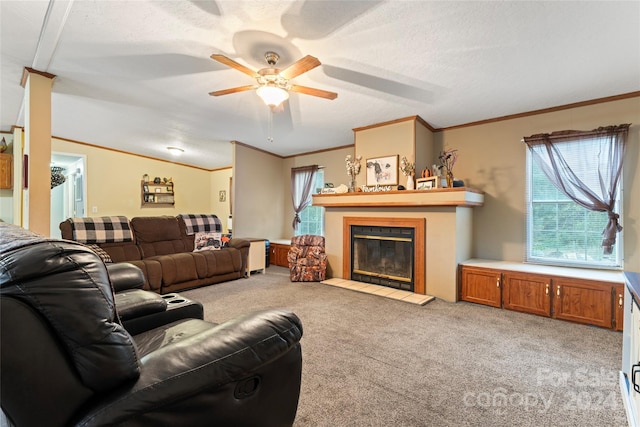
(163, 248)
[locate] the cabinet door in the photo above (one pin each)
(618, 307)
(583, 301)
(481, 286)
(278, 255)
(530, 293)
(6, 175)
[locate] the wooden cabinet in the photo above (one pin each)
(6, 171)
(591, 302)
(583, 301)
(529, 293)
(481, 286)
(618, 307)
(278, 254)
(157, 193)
(256, 259)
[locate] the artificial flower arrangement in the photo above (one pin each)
(407, 168)
(448, 160)
(353, 166)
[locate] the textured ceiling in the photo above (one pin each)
(135, 75)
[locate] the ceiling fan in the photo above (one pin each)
(273, 85)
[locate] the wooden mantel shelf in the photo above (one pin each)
(462, 196)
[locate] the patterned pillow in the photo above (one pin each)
(206, 241)
(101, 253)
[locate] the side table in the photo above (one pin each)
(256, 260)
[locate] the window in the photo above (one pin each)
(312, 217)
(560, 231)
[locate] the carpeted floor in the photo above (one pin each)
(374, 361)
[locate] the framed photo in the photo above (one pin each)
(427, 183)
(382, 170)
(158, 190)
(145, 188)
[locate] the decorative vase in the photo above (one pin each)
(449, 177)
(352, 186)
(410, 183)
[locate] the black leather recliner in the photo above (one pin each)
(141, 310)
(65, 360)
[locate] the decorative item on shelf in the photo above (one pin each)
(145, 178)
(448, 160)
(408, 169)
(3, 145)
(382, 171)
(167, 180)
(157, 180)
(353, 169)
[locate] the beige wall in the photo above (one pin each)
(492, 159)
(259, 194)
(113, 183)
(220, 180)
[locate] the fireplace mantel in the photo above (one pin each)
(462, 196)
(448, 235)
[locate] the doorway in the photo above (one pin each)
(69, 191)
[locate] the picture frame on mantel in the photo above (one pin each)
(382, 170)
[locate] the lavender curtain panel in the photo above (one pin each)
(302, 180)
(590, 182)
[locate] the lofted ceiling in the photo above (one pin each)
(136, 75)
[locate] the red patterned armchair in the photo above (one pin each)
(307, 259)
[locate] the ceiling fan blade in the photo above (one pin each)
(300, 66)
(233, 64)
(314, 92)
(232, 90)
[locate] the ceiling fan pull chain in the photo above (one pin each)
(270, 126)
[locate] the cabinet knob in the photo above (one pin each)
(558, 290)
(498, 282)
(620, 302)
(546, 289)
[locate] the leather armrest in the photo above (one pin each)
(137, 303)
(124, 275)
(197, 355)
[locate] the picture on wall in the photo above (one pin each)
(382, 170)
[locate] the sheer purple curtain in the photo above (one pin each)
(302, 180)
(591, 181)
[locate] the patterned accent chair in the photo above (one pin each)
(307, 258)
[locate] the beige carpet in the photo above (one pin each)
(383, 291)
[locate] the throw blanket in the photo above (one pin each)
(105, 229)
(200, 223)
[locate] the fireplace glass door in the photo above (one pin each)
(383, 256)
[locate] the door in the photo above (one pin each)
(529, 293)
(481, 286)
(583, 301)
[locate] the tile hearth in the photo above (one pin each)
(382, 291)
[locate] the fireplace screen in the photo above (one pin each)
(383, 256)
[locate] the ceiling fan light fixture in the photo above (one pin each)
(175, 151)
(272, 96)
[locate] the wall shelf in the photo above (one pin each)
(153, 194)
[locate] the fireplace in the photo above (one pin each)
(383, 256)
(385, 251)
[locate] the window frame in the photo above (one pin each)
(617, 264)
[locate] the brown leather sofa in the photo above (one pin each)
(162, 248)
